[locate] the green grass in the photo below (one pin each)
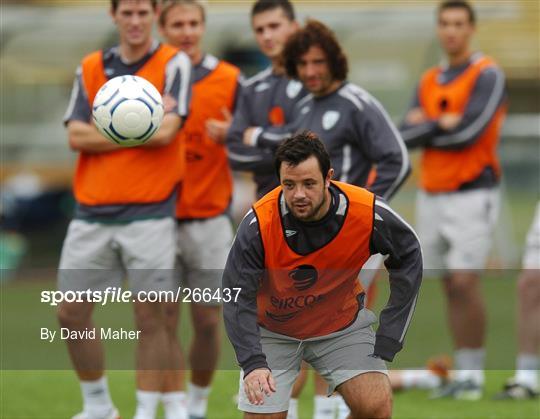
(36, 380)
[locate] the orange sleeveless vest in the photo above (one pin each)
(447, 170)
(316, 294)
(133, 175)
(207, 187)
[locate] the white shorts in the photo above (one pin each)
(337, 357)
(95, 255)
(202, 250)
(531, 256)
(456, 229)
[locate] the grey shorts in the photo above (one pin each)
(202, 250)
(96, 256)
(337, 357)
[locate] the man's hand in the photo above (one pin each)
(216, 129)
(448, 121)
(416, 116)
(169, 103)
(259, 382)
(248, 134)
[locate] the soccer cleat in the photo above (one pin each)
(459, 390)
(515, 391)
(112, 414)
(440, 366)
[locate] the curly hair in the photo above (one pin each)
(315, 33)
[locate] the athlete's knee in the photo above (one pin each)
(462, 285)
(529, 286)
(206, 322)
(171, 312)
(73, 315)
(379, 407)
(149, 317)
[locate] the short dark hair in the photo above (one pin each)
(167, 5)
(315, 33)
(114, 4)
(298, 148)
(261, 6)
(458, 4)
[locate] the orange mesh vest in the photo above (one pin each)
(131, 175)
(207, 187)
(447, 170)
(316, 294)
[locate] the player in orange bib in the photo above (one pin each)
(203, 224)
(124, 217)
(295, 264)
(456, 118)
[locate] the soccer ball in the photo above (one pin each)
(128, 110)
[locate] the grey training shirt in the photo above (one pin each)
(260, 94)
(357, 133)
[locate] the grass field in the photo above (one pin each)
(37, 382)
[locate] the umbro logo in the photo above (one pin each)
(290, 233)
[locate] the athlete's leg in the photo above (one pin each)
(466, 310)
(148, 254)
(174, 380)
(368, 395)
(280, 415)
(204, 351)
(87, 262)
(296, 391)
(528, 330)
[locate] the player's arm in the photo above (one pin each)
(392, 236)
(217, 128)
(244, 269)
(417, 129)
(243, 157)
(83, 136)
(382, 144)
(178, 81)
(487, 96)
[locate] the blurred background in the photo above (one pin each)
(389, 44)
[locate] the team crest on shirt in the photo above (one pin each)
(293, 88)
(304, 276)
(330, 119)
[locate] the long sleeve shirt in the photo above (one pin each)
(245, 269)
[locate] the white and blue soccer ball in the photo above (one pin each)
(128, 110)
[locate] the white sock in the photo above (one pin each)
(197, 400)
(96, 397)
(147, 403)
(343, 410)
(174, 404)
(470, 365)
(293, 409)
(527, 366)
(324, 407)
(422, 379)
